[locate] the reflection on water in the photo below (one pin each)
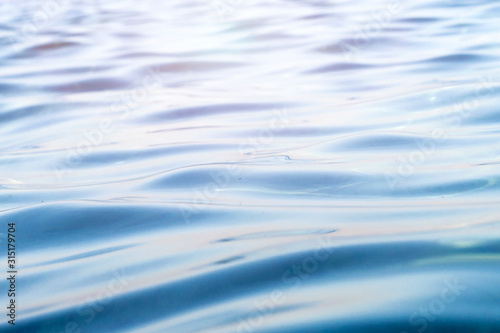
(236, 166)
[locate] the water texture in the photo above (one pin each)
(251, 166)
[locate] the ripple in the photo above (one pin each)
(299, 166)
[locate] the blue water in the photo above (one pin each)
(251, 166)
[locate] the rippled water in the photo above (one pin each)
(252, 166)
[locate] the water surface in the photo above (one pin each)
(252, 166)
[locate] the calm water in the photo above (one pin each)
(251, 166)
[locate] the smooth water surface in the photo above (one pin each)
(251, 166)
